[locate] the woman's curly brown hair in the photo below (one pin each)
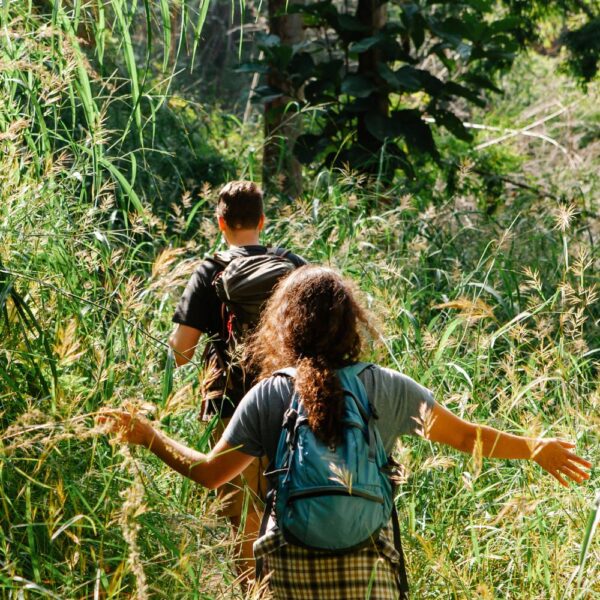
(314, 322)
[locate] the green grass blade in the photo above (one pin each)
(125, 185)
(129, 57)
(167, 385)
(167, 31)
(204, 4)
(592, 525)
(6, 284)
(446, 338)
(100, 31)
(83, 81)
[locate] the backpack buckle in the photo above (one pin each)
(289, 423)
(289, 418)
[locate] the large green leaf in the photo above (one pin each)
(264, 42)
(301, 67)
(451, 88)
(350, 24)
(387, 75)
(506, 24)
(407, 123)
(366, 44)
(415, 131)
(358, 85)
(308, 146)
(406, 78)
(266, 93)
(279, 56)
(451, 30)
(481, 81)
(381, 126)
(584, 48)
(453, 124)
(324, 10)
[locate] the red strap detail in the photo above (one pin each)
(223, 315)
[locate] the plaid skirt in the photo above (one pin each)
(298, 573)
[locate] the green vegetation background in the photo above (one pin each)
(486, 288)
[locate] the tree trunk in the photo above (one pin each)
(372, 14)
(281, 168)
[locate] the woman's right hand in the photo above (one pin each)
(130, 427)
(556, 457)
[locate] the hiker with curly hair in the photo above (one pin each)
(318, 410)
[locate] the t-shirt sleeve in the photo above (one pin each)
(255, 427)
(244, 429)
(198, 304)
(402, 403)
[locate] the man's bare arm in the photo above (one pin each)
(184, 340)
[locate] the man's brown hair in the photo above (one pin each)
(240, 204)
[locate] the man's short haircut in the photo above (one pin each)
(240, 204)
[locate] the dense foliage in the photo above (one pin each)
(373, 77)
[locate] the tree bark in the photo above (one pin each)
(282, 127)
(372, 14)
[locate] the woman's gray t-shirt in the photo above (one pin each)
(399, 401)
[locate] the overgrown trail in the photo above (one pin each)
(487, 293)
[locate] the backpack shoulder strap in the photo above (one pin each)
(357, 368)
(221, 259)
(278, 251)
(296, 260)
(401, 573)
(354, 389)
(350, 382)
(352, 371)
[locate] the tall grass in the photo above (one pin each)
(498, 332)
(498, 315)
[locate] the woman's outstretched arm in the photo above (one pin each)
(551, 454)
(211, 470)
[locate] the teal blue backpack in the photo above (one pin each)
(333, 499)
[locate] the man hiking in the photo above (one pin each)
(205, 308)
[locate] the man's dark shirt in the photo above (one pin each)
(200, 308)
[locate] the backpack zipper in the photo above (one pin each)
(329, 491)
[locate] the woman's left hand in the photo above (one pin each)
(555, 456)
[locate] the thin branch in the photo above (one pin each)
(509, 133)
(519, 184)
